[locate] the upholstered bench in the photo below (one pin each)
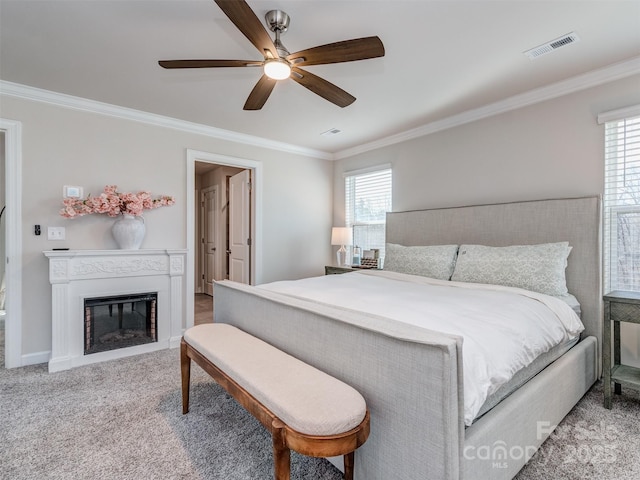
(305, 409)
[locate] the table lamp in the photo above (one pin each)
(342, 236)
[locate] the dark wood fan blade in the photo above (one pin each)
(321, 87)
(251, 27)
(208, 63)
(346, 51)
(260, 93)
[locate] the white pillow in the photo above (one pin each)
(433, 261)
(539, 268)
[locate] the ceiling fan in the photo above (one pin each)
(278, 63)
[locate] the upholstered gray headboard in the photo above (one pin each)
(576, 220)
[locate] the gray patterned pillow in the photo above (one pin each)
(433, 261)
(539, 268)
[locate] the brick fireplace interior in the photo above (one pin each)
(120, 321)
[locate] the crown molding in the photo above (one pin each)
(594, 78)
(76, 103)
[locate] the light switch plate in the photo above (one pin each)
(71, 191)
(55, 233)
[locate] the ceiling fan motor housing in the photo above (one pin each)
(277, 20)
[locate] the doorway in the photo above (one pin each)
(3, 257)
(223, 224)
(11, 173)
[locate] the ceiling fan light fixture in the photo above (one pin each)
(277, 69)
(278, 63)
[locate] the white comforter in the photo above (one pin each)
(503, 329)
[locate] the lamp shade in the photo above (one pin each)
(341, 236)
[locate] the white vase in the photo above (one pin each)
(128, 231)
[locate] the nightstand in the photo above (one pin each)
(619, 307)
(334, 270)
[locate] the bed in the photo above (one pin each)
(412, 378)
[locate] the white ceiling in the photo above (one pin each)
(442, 58)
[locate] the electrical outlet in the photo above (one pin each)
(55, 233)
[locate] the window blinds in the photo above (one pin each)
(367, 200)
(622, 204)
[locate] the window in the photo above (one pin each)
(622, 204)
(367, 200)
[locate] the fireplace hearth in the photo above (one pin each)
(119, 322)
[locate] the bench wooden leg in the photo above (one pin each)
(281, 453)
(185, 369)
(348, 465)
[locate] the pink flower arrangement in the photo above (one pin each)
(113, 203)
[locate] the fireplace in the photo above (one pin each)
(109, 304)
(119, 321)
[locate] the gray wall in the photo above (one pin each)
(547, 150)
(551, 149)
(70, 147)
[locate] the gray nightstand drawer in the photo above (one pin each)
(625, 312)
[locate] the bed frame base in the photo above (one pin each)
(501, 442)
(412, 378)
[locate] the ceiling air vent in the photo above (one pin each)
(549, 47)
(331, 133)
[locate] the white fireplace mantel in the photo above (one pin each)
(78, 274)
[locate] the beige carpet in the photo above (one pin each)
(122, 420)
(592, 442)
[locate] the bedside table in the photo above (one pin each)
(334, 270)
(619, 307)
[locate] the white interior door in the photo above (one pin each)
(239, 227)
(209, 238)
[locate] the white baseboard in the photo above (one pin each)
(35, 358)
(44, 357)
